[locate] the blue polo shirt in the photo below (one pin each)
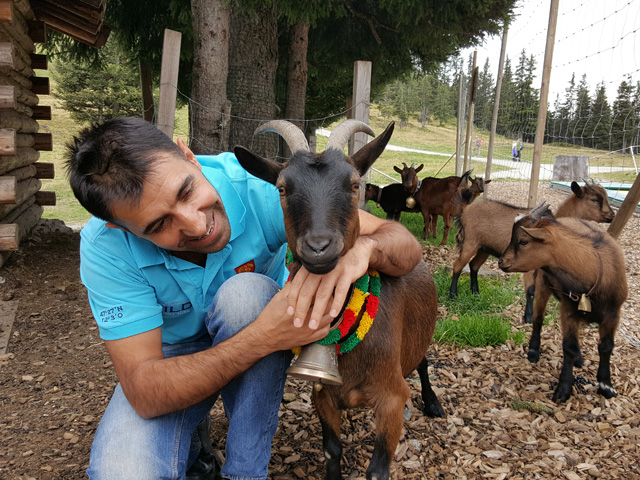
(135, 286)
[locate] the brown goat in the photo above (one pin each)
(484, 229)
(433, 196)
(583, 267)
(319, 198)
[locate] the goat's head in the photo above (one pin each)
(409, 176)
(592, 202)
(318, 192)
(477, 185)
(527, 235)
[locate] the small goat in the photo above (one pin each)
(484, 228)
(392, 199)
(583, 267)
(433, 197)
(319, 197)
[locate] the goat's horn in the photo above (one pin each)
(342, 133)
(413, 165)
(291, 133)
(540, 210)
(404, 165)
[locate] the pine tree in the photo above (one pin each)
(622, 123)
(582, 115)
(96, 92)
(601, 119)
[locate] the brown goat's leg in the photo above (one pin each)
(605, 349)
(466, 253)
(446, 223)
(570, 351)
(474, 266)
(432, 407)
(389, 418)
(542, 296)
(530, 279)
(330, 421)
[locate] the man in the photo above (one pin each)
(184, 266)
(516, 148)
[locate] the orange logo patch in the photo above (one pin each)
(246, 267)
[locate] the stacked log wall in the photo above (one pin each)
(21, 198)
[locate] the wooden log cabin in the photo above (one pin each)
(23, 24)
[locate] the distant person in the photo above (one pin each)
(516, 148)
(478, 144)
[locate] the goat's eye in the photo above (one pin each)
(522, 243)
(282, 191)
(355, 187)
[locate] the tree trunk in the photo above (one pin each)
(209, 78)
(253, 60)
(297, 79)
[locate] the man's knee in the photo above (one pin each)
(239, 301)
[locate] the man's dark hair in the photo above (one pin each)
(110, 162)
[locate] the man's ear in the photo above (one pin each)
(187, 151)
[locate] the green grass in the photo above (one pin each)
(477, 320)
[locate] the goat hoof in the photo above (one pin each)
(579, 362)
(561, 394)
(434, 410)
(606, 391)
(527, 320)
(533, 356)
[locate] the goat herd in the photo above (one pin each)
(566, 255)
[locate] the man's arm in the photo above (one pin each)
(383, 245)
(155, 385)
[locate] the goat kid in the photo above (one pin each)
(484, 229)
(583, 267)
(319, 197)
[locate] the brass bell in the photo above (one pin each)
(317, 363)
(584, 305)
(411, 202)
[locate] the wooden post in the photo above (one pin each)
(361, 97)
(7, 142)
(472, 92)
(169, 81)
(626, 209)
(494, 119)
(458, 124)
(542, 109)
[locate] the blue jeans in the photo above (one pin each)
(127, 446)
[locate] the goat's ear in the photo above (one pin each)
(540, 234)
(364, 158)
(575, 188)
(264, 168)
(397, 170)
(487, 182)
(420, 167)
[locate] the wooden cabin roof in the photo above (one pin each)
(79, 19)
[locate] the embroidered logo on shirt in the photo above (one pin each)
(176, 308)
(111, 314)
(246, 267)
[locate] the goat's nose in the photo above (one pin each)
(500, 261)
(318, 244)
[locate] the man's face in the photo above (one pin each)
(179, 210)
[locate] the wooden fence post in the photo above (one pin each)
(361, 97)
(169, 81)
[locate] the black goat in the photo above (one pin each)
(392, 199)
(319, 197)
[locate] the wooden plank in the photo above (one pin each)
(45, 170)
(45, 198)
(169, 81)
(41, 112)
(8, 141)
(8, 97)
(37, 31)
(8, 311)
(40, 85)
(8, 189)
(39, 61)
(9, 239)
(6, 11)
(626, 209)
(43, 141)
